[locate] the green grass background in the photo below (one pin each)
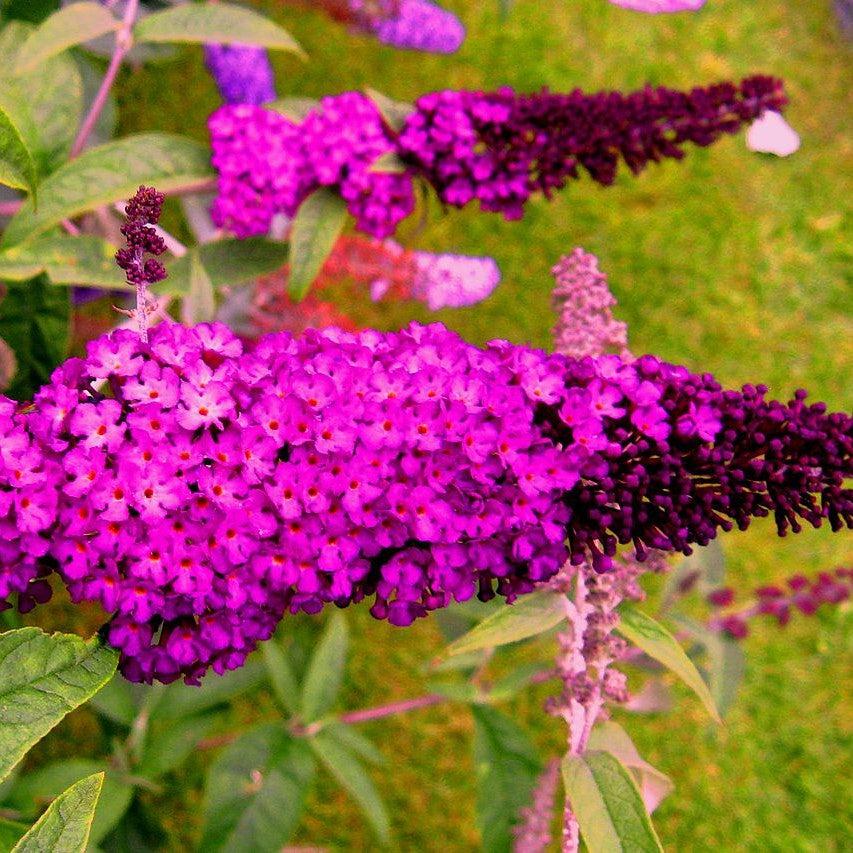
(729, 262)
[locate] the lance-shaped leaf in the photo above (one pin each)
(255, 792)
(227, 262)
(34, 322)
(179, 700)
(652, 638)
(611, 737)
(109, 173)
(607, 804)
(43, 677)
(529, 616)
(315, 230)
(223, 23)
(81, 260)
(347, 769)
(296, 109)
(65, 826)
(17, 165)
(394, 112)
(281, 675)
(65, 28)
(326, 669)
(47, 782)
(199, 303)
(507, 767)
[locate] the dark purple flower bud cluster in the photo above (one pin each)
(142, 211)
(800, 593)
(242, 72)
(214, 489)
(498, 148)
(268, 164)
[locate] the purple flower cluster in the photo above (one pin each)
(498, 148)
(453, 281)
(268, 164)
(420, 25)
(802, 594)
(243, 73)
(213, 489)
(583, 303)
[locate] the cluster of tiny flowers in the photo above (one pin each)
(532, 834)
(441, 280)
(420, 25)
(800, 593)
(142, 211)
(583, 303)
(497, 148)
(268, 164)
(243, 73)
(500, 148)
(656, 7)
(407, 24)
(215, 489)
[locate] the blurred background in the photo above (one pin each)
(730, 262)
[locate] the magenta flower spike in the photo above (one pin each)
(217, 489)
(497, 148)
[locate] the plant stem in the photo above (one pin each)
(123, 43)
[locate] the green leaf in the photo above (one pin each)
(513, 683)
(115, 702)
(394, 112)
(29, 10)
(168, 746)
(51, 98)
(227, 262)
(326, 669)
(110, 173)
(353, 740)
(65, 826)
(81, 260)
(223, 23)
(611, 737)
(459, 691)
(529, 616)
(44, 784)
(180, 700)
(507, 767)
(43, 677)
(725, 662)
(63, 29)
(34, 321)
(315, 230)
(389, 162)
(650, 636)
(17, 166)
(607, 805)
(10, 833)
(199, 302)
(296, 109)
(347, 769)
(255, 792)
(281, 675)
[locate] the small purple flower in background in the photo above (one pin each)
(655, 7)
(771, 134)
(421, 25)
(243, 73)
(453, 281)
(583, 304)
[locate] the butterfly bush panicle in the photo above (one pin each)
(420, 25)
(799, 593)
(242, 72)
(497, 148)
(218, 488)
(583, 304)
